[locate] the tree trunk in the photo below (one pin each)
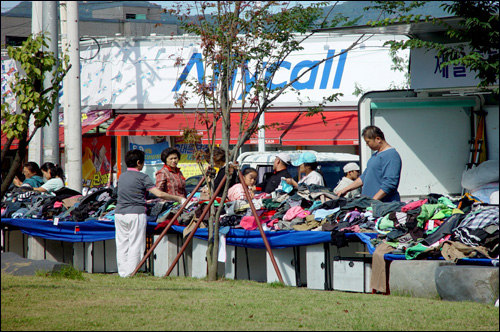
(16, 165)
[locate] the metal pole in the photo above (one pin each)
(257, 220)
(35, 146)
(51, 131)
(190, 236)
(72, 110)
(172, 220)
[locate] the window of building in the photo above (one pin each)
(14, 40)
(130, 16)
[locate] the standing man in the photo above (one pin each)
(280, 168)
(130, 212)
(351, 174)
(380, 180)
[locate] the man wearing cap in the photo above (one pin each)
(307, 164)
(280, 165)
(351, 171)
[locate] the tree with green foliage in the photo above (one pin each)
(475, 40)
(252, 38)
(32, 101)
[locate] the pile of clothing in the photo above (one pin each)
(432, 226)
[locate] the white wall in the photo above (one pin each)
(141, 73)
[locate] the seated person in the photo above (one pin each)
(237, 192)
(280, 167)
(55, 178)
(351, 171)
(307, 164)
(33, 176)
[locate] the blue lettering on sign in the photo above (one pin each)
(458, 71)
(196, 60)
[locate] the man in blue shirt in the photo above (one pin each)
(380, 179)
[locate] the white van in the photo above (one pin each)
(330, 164)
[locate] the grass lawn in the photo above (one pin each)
(108, 302)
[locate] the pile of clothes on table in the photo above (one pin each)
(464, 227)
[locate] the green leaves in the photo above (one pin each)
(26, 86)
(478, 31)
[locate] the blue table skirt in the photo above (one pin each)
(101, 230)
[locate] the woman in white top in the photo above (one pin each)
(55, 178)
(307, 164)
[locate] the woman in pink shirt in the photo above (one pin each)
(169, 178)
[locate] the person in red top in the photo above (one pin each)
(169, 178)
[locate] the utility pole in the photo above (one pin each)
(51, 132)
(71, 94)
(35, 146)
(262, 120)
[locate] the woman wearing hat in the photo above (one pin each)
(307, 164)
(351, 171)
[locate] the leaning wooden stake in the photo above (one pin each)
(191, 234)
(172, 220)
(257, 220)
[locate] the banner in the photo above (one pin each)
(152, 146)
(96, 165)
(187, 163)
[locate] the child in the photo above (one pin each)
(237, 192)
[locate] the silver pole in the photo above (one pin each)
(71, 92)
(51, 132)
(35, 146)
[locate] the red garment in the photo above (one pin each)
(171, 181)
(413, 205)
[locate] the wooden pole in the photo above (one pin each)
(172, 220)
(257, 220)
(191, 234)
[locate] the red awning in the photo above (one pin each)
(341, 129)
(279, 122)
(91, 120)
(154, 124)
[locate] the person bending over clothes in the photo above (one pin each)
(237, 192)
(33, 176)
(307, 164)
(170, 178)
(280, 168)
(380, 179)
(130, 212)
(54, 175)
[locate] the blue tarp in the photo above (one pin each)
(280, 239)
(100, 230)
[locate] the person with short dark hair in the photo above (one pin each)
(280, 170)
(380, 179)
(55, 178)
(130, 212)
(33, 176)
(220, 163)
(170, 178)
